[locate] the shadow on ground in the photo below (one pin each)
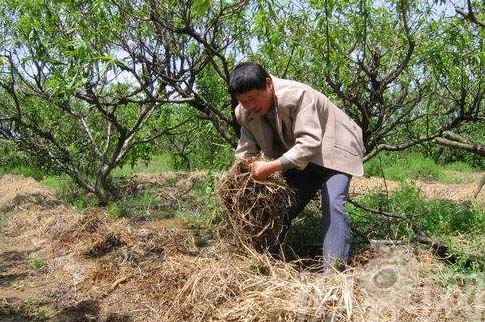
(304, 239)
(88, 311)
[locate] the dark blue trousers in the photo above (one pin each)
(334, 186)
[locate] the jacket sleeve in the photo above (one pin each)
(247, 145)
(308, 131)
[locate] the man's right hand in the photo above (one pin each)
(261, 170)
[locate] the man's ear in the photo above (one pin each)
(269, 83)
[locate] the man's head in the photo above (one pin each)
(253, 88)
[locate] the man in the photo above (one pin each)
(305, 135)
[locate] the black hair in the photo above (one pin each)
(247, 76)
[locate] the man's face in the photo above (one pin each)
(258, 101)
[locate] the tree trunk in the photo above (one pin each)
(102, 188)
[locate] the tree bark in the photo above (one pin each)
(102, 188)
(470, 147)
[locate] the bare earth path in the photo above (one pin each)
(453, 192)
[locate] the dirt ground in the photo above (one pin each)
(62, 266)
(453, 192)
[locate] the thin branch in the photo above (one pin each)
(378, 212)
(470, 15)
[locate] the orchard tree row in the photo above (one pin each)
(88, 86)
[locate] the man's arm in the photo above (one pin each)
(247, 145)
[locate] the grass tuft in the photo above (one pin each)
(38, 263)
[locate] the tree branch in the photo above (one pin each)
(470, 15)
(473, 148)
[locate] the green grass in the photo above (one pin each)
(157, 164)
(459, 166)
(37, 174)
(204, 210)
(140, 205)
(196, 207)
(56, 183)
(38, 263)
(403, 166)
(445, 221)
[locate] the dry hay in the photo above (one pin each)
(462, 192)
(370, 185)
(452, 192)
(35, 213)
(254, 288)
(181, 182)
(38, 222)
(254, 209)
(95, 235)
(396, 286)
(161, 276)
(16, 190)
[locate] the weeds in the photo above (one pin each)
(207, 210)
(156, 164)
(459, 226)
(38, 263)
(414, 166)
(37, 174)
(141, 205)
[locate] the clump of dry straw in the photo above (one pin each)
(254, 209)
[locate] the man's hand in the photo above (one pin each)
(260, 170)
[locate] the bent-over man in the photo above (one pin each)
(314, 143)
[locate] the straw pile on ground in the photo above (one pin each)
(254, 209)
(115, 270)
(256, 288)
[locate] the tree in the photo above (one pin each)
(86, 86)
(405, 76)
(469, 14)
(84, 83)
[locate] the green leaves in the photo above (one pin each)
(200, 7)
(109, 59)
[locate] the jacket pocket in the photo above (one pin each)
(346, 138)
(346, 149)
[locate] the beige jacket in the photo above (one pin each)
(309, 125)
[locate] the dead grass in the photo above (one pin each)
(127, 270)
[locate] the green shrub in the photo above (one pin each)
(70, 193)
(459, 166)
(141, 205)
(203, 210)
(156, 164)
(37, 174)
(56, 183)
(115, 210)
